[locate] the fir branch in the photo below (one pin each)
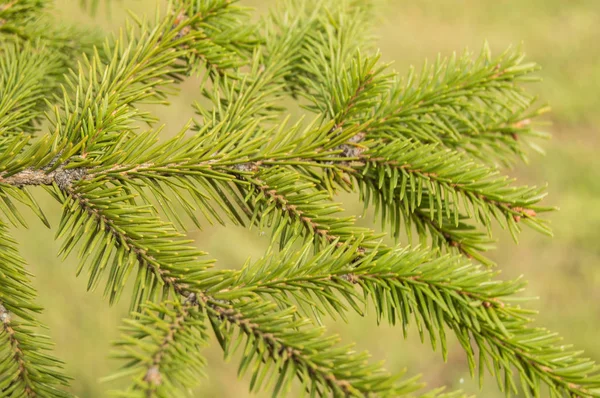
(26, 367)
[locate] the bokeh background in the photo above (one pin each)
(563, 36)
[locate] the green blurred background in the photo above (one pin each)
(563, 36)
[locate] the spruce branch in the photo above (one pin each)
(35, 55)
(347, 23)
(281, 199)
(473, 105)
(26, 367)
(23, 165)
(193, 164)
(485, 324)
(228, 30)
(190, 161)
(349, 89)
(462, 238)
(24, 22)
(279, 339)
(368, 87)
(413, 147)
(301, 203)
(123, 237)
(20, 11)
(435, 293)
(184, 282)
(128, 71)
(31, 177)
(460, 333)
(135, 73)
(27, 78)
(172, 281)
(162, 348)
(452, 102)
(270, 69)
(405, 172)
(239, 103)
(9, 195)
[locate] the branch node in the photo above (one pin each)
(153, 376)
(5, 317)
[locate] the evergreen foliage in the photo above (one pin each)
(425, 151)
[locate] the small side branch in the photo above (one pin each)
(17, 352)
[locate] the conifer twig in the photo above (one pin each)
(418, 150)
